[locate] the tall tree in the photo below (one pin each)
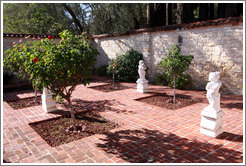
(150, 14)
(203, 11)
(35, 18)
(228, 10)
(160, 14)
(211, 11)
(239, 10)
(169, 14)
(76, 21)
(187, 15)
(221, 10)
(179, 13)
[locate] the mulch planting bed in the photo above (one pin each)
(166, 101)
(53, 131)
(109, 88)
(26, 102)
(27, 87)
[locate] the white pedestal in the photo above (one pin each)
(142, 86)
(48, 103)
(211, 122)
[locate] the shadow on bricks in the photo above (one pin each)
(152, 146)
(97, 106)
(231, 137)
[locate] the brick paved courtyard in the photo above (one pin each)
(147, 133)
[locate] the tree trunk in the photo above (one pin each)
(113, 81)
(221, 10)
(174, 91)
(150, 14)
(140, 13)
(203, 12)
(211, 11)
(187, 14)
(228, 10)
(160, 14)
(76, 21)
(36, 98)
(169, 14)
(239, 9)
(180, 13)
(72, 114)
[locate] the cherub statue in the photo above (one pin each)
(212, 88)
(141, 70)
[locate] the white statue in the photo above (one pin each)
(212, 115)
(141, 70)
(212, 88)
(142, 82)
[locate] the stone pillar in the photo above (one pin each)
(212, 115)
(142, 86)
(48, 103)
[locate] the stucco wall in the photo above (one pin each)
(215, 48)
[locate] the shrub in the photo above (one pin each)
(102, 70)
(174, 64)
(127, 66)
(160, 79)
(183, 81)
(59, 68)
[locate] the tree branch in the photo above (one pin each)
(81, 29)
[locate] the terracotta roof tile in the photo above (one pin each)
(31, 35)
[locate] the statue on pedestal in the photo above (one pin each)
(212, 88)
(141, 70)
(142, 82)
(212, 115)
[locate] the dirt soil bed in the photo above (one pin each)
(26, 102)
(8, 89)
(166, 101)
(108, 87)
(53, 131)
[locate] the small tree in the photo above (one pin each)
(174, 64)
(59, 68)
(113, 66)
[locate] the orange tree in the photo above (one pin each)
(59, 68)
(175, 64)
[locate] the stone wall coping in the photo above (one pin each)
(26, 35)
(199, 24)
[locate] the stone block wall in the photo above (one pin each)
(215, 48)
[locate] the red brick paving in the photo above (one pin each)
(148, 133)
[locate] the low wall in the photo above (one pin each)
(216, 46)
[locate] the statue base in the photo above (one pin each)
(142, 85)
(211, 122)
(48, 103)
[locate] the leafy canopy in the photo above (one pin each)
(54, 66)
(174, 63)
